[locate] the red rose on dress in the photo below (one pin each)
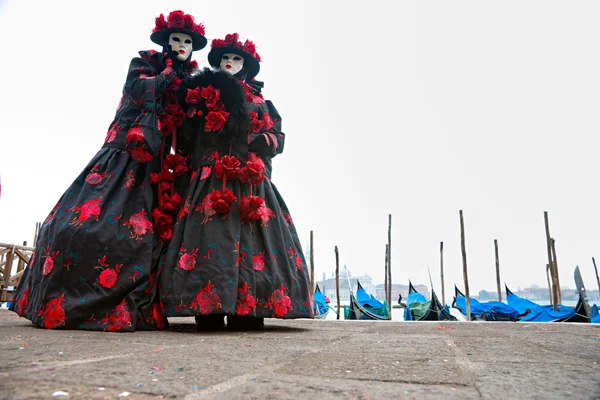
(48, 266)
(219, 106)
(23, 302)
(139, 223)
(176, 113)
(162, 224)
(172, 203)
(253, 208)
(134, 134)
(188, 260)
(259, 261)
(267, 121)
(253, 172)
(177, 163)
(210, 95)
(288, 219)
(167, 124)
(221, 206)
(279, 302)
(90, 209)
(193, 96)
(255, 126)
(141, 155)
(206, 300)
(163, 176)
(176, 19)
(54, 315)
(215, 121)
(108, 278)
(118, 318)
(220, 201)
(93, 178)
(228, 167)
(112, 133)
(245, 302)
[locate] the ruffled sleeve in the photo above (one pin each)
(145, 86)
(270, 139)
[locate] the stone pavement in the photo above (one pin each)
(304, 359)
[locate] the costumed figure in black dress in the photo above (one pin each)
(95, 265)
(234, 250)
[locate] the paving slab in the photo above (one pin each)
(304, 359)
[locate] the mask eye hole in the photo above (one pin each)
(188, 41)
(225, 57)
(237, 58)
(176, 39)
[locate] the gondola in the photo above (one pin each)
(595, 317)
(419, 309)
(485, 311)
(546, 313)
(321, 308)
(364, 306)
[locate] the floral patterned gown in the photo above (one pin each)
(234, 248)
(95, 262)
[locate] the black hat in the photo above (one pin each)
(231, 44)
(178, 21)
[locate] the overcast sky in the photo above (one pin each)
(415, 109)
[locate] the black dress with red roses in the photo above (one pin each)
(96, 261)
(234, 248)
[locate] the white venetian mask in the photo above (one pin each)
(232, 63)
(182, 44)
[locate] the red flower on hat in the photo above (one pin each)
(179, 20)
(233, 40)
(176, 19)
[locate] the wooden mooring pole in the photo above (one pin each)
(597, 278)
(558, 293)
(312, 264)
(389, 263)
(550, 289)
(442, 272)
(385, 285)
(337, 280)
(498, 270)
(553, 272)
(464, 260)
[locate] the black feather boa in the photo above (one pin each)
(231, 94)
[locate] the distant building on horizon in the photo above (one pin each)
(349, 283)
